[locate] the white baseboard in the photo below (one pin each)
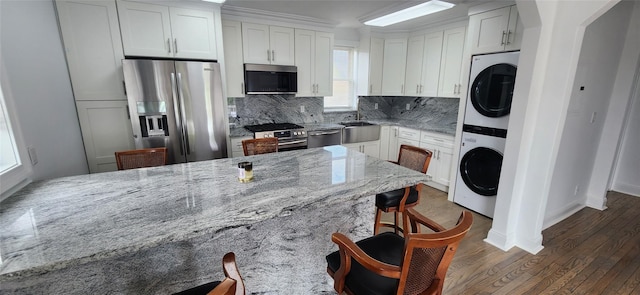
(627, 188)
(499, 240)
(570, 210)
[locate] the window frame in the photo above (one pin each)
(353, 103)
(18, 176)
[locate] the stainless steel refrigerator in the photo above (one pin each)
(178, 105)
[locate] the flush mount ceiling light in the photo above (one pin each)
(215, 1)
(419, 10)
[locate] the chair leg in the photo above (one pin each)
(376, 226)
(395, 222)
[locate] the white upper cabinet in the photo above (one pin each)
(314, 60)
(93, 48)
(376, 55)
(161, 31)
(423, 65)
(263, 44)
(451, 63)
(234, 68)
(495, 30)
(393, 66)
(415, 55)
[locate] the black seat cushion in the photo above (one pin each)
(200, 290)
(386, 247)
(392, 198)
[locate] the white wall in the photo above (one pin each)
(33, 57)
(596, 72)
(627, 176)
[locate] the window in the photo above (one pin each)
(344, 94)
(13, 173)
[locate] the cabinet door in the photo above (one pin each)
(236, 146)
(353, 146)
(371, 148)
(434, 164)
(234, 68)
(488, 30)
(445, 158)
(393, 66)
(146, 29)
(375, 66)
(194, 34)
(514, 30)
(282, 42)
(93, 48)
(323, 64)
(431, 64)
(304, 56)
(106, 129)
(415, 55)
(451, 63)
(394, 148)
(255, 43)
(384, 142)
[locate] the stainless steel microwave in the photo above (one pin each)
(270, 79)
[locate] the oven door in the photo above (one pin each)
(291, 144)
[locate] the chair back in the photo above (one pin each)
(414, 158)
(260, 146)
(428, 255)
(141, 158)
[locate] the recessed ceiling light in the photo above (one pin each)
(419, 10)
(215, 1)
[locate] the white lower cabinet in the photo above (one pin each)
(389, 143)
(106, 129)
(369, 148)
(441, 160)
(236, 146)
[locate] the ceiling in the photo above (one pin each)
(351, 13)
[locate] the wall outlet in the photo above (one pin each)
(32, 155)
(576, 190)
(375, 106)
(302, 109)
(408, 106)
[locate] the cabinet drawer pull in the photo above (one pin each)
(504, 34)
(273, 55)
(169, 45)
(268, 55)
(175, 45)
(509, 37)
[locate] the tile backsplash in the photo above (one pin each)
(259, 109)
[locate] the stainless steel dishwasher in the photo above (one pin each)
(324, 138)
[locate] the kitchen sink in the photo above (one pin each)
(360, 131)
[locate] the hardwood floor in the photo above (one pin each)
(591, 252)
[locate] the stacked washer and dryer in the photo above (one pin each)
(491, 79)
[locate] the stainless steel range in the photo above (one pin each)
(290, 136)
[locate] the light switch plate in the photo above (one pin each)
(375, 106)
(408, 106)
(302, 109)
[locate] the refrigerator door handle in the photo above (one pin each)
(176, 109)
(185, 131)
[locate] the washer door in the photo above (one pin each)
(492, 90)
(480, 170)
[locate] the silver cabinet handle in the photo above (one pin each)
(324, 133)
(292, 142)
(169, 45)
(420, 88)
(175, 45)
(268, 55)
(273, 55)
(417, 88)
(438, 154)
(509, 37)
(242, 88)
(455, 86)
(504, 34)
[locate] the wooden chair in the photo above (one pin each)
(397, 201)
(141, 158)
(260, 146)
(231, 285)
(390, 264)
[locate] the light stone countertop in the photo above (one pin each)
(163, 229)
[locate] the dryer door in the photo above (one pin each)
(492, 90)
(480, 170)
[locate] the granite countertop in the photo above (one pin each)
(424, 126)
(66, 222)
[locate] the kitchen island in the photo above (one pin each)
(163, 229)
